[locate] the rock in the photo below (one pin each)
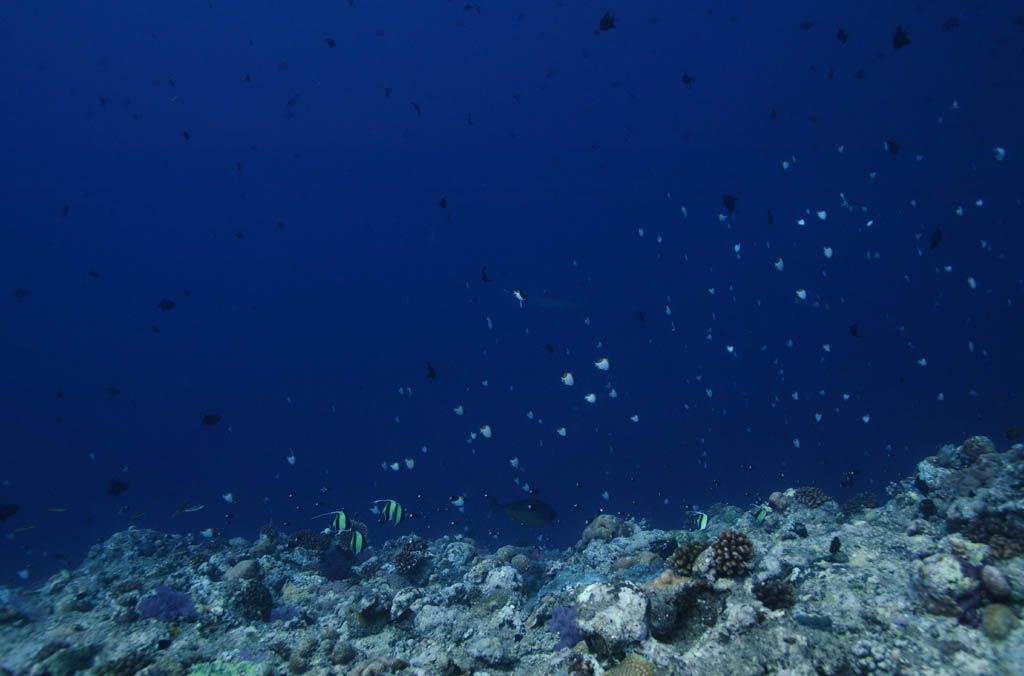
(458, 554)
(402, 601)
(504, 578)
(995, 582)
(378, 666)
(430, 617)
(249, 569)
(942, 582)
(70, 660)
(997, 621)
(605, 527)
(486, 649)
(521, 562)
(612, 616)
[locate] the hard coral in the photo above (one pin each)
(378, 666)
(310, 539)
(975, 446)
(859, 503)
(409, 557)
(1004, 536)
(632, 665)
(810, 496)
(731, 550)
(683, 558)
(775, 594)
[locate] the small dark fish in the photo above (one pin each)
(834, 546)
(331, 43)
(607, 22)
(113, 391)
(66, 210)
(640, 316)
(166, 304)
(431, 373)
(842, 36)
(387, 91)
(773, 114)
(529, 512)
(210, 419)
(855, 330)
(416, 107)
(892, 146)
(94, 274)
(154, 328)
(116, 487)
(550, 348)
(808, 24)
(687, 79)
(901, 38)
(771, 218)
(469, 119)
(1013, 434)
(293, 101)
(443, 203)
(185, 135)
(936, 238)
(483, 275)
(60, 392)
(7, 511)
(951, 23)
(730, 203)
(20, 293)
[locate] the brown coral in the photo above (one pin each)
(811, 496)
(683, 558)
(775, 594)
(975, 446)
(632, 665)
(408, 558)
(378, 666)
(731, 550)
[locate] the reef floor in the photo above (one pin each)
(931, 582)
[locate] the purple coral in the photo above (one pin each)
(167, 604)
(563, 623)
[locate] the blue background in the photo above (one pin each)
(300, 232)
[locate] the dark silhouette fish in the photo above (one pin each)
(7, 511)
(529, 512)
(210, 419)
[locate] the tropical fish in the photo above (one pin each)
(356, 542)
(339, 523)
(392, 511)
(530, 512)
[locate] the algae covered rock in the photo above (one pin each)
(612, 616)
(942, 582)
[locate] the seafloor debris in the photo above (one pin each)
(911, 589)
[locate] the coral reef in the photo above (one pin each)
(685, 556)
(899, 589)
(810, 496)
(775, 594)
(731, 550)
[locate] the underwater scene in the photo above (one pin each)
(511, 338)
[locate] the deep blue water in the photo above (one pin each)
(286, 196)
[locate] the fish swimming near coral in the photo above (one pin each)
(529, 512)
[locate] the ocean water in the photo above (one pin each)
(798, 253)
